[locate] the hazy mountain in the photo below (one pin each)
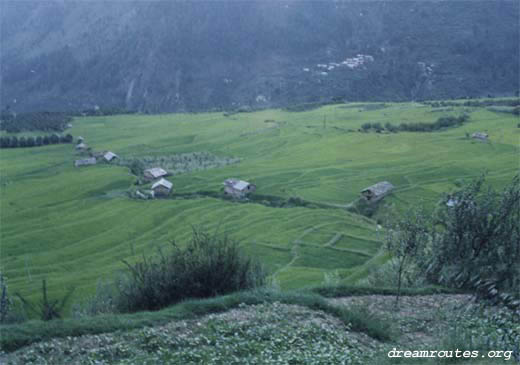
(175, 56)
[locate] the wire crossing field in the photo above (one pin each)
(74, 225)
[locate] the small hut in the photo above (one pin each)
(376, 192)
(154, 173)
(480, 136)
(85, 162)
(452, 202)
(238, 188)
(109, 156)
(162, 187)
(81, 146)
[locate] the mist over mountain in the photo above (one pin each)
(160, 56)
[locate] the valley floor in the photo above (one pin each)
(74, 226)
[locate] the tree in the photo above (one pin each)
(68, 138)
(4, 142)
(14, 142)
(54, 139)
(45, 140)
(38, 141)
(477, 240)
(137, 167)
(377, 126)
(22, 142)
(30, 142)
(405, 239)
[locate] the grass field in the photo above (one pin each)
(73, 226)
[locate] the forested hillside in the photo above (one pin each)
(178, 56)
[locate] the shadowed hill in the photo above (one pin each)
(178, 56)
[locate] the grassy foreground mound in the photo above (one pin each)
(266, 326)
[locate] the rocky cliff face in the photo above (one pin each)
(177, 56)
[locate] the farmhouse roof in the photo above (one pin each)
(230, 182)
(109, 156)
(241, 185)
(163, 182)
(156, 172)
(86, 161)
(380, 188)
(480, 135)
(452, 202)
(236, 184)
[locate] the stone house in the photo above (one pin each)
(238, 188)
(85, 162)
(154, 173)
(480, 136)
(81, 146)
(109, 156)
(162, 187)
(377, 191)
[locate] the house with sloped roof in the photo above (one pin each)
(481, 136)
(377, 191)
(85, 162)
(154, 173)
(81, 146)
(109, 156)
(162, 187)
(238, 188)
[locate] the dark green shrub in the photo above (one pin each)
(38, 141)
(30, 142)
(137, 167)
(54, 139)
(5, 142)
(377, 126)
(208, 266)
(477, 241)
(46, 140)
(366, 126)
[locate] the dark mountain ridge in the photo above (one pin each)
(191, 56)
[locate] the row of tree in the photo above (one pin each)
(40, 121)
(15, 142)
(441, 123)
(474, 103)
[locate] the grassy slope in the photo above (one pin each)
(73, 226)
(17, 335)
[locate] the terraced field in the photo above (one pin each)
(74, 225)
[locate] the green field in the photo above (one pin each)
(75, 225)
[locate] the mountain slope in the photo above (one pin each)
(176, 56)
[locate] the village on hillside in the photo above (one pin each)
(154, 184)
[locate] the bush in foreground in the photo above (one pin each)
(209, 265)
(477, 241)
